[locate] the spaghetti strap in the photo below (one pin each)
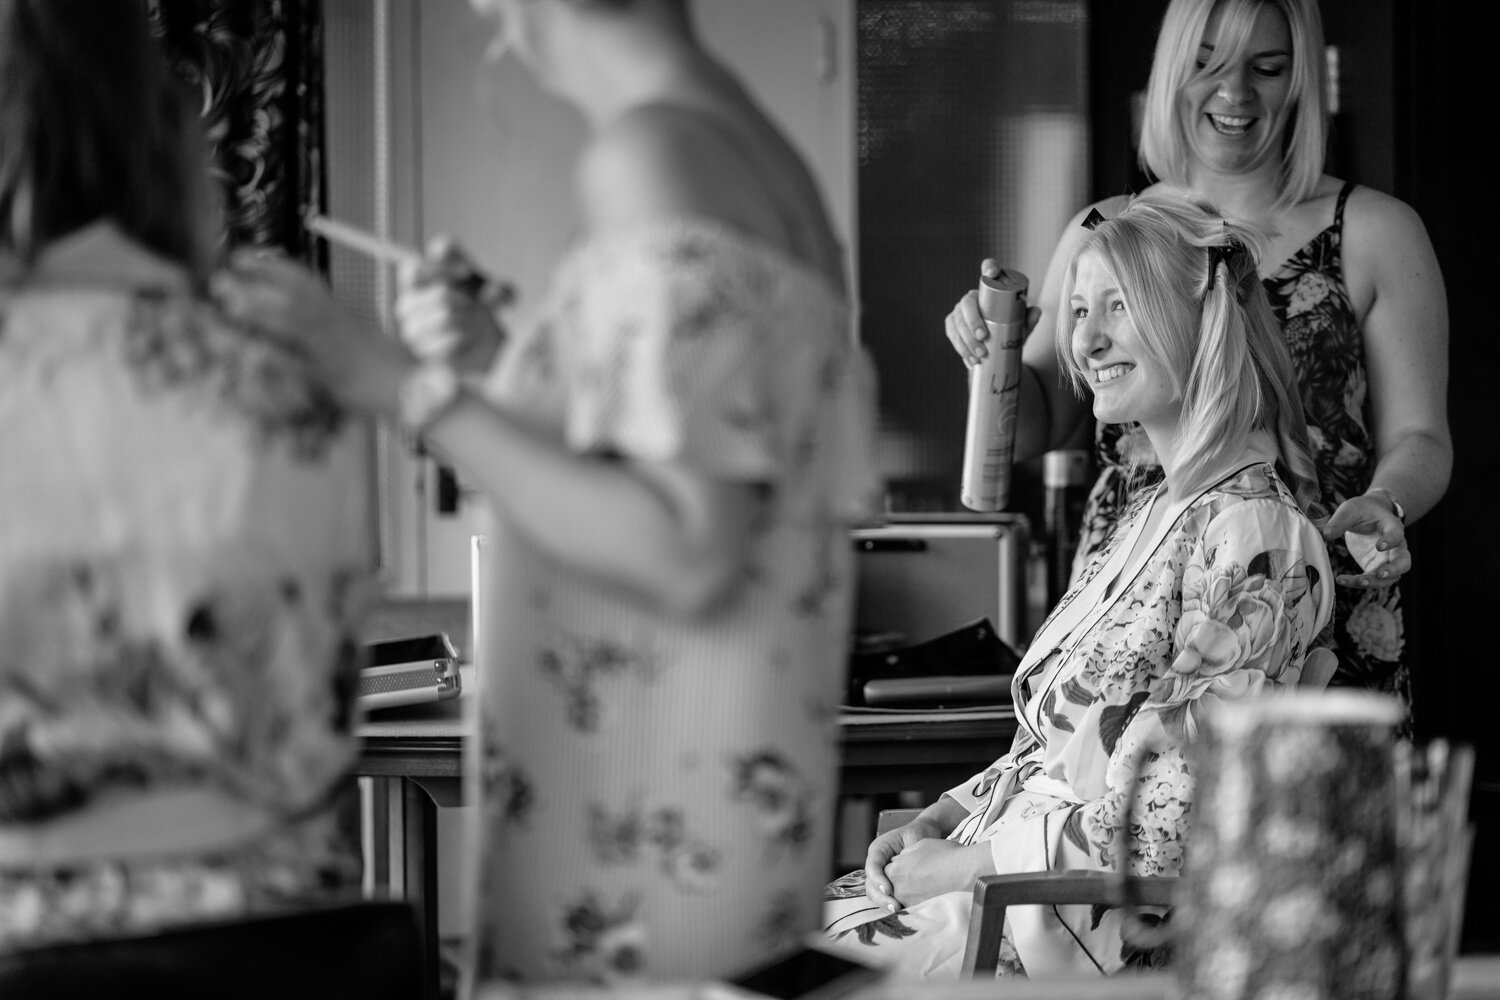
(1338, 210)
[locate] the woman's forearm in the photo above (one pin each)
(676, 538)
(1416, 470)
(944, 815)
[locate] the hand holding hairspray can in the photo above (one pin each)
(994, 388)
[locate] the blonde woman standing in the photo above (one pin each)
(1237, 113)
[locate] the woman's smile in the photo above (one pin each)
(1109, 374)
(1230, 125)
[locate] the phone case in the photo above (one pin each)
(409, 671)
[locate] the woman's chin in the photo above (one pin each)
(1108, 414)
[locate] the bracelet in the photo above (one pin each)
(426, 393)
(1396, 507)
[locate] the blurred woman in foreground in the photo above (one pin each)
(182, 523)
(674, 445)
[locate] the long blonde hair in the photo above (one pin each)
(1190, 281)
(1164, 145)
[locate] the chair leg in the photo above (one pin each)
(982, 953)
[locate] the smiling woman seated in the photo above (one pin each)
(1216, 585)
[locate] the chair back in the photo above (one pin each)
(994, 893)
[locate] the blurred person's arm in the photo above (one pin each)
(441, 315)
(677, 538)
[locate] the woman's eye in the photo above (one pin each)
(1079, 312)
(1270, 72)
(1117, 306)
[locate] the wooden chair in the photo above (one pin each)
(364, 950)
(994, 893)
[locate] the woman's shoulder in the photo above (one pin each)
(1253, 505)
(669, 161)
(709, 155)
(251, 378)
(1386, 250)
(666, 158)
(179, 351)
(1256, 480)
(1373, 218)
(1370, 216)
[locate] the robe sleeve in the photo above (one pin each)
(691, 348)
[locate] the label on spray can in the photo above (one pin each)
(994, 389)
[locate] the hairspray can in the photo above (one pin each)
(994, 386)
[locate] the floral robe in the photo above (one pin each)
(655, 791)
(1228, 602)
(184, 556)
(1311, 302)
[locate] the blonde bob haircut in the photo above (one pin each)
(1190, 284)
(1164, 146)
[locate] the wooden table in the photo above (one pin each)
(879, 752)
(416, 761)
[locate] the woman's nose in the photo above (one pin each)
(1089, 337)
(1234, 88)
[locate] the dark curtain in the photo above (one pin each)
(257, 67)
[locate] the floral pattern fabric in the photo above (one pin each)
(656, 792)
(1311, 301)
(1228, 604)
(1295, 882)
(183, 561)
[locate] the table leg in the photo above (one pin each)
(378, 839)
(420, 878)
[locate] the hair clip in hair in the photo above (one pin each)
(1224, 253)
(1092, 220)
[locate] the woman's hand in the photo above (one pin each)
(443, 314)
(888, 846)
(1375, 537)
(965, 326)
(360, 365)
(934, 866)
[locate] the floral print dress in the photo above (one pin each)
(1311, 301)
(183, 557)
(656, 792)
(1227, 601)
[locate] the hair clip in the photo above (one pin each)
(1227, 254)
(1223, 253)
(1092, 220)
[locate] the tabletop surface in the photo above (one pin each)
(444, 720)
